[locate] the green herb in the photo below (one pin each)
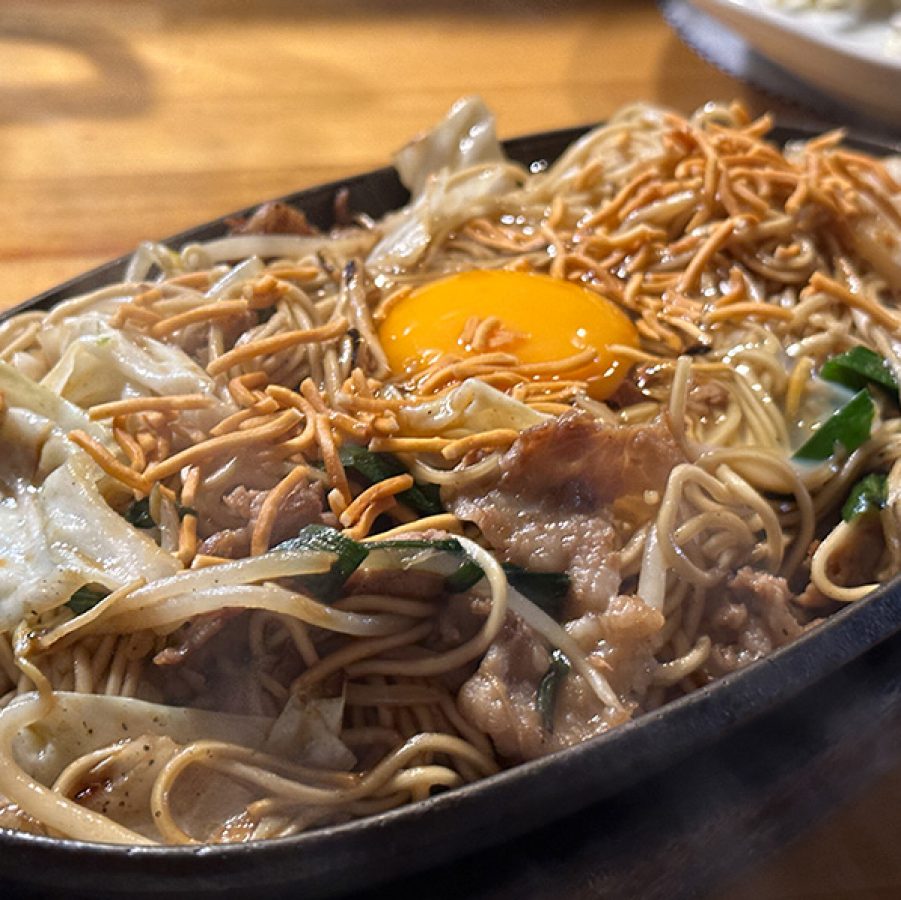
(443, 545)
(867, 496)
(859, 367)
(549, 688)
(375, 467)
(469, 574)
(138, 514)
(547, 590)
(848, 426)
(349, 554)
(86, 598)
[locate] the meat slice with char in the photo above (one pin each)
(748, 620)
(303, 506)
(552, 507)
(273, 217)
(501, 696)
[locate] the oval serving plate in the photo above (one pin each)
(660, 807)
(850, 54)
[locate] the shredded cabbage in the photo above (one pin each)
(455, 172)
(473, 406)
(57, 533)
(110, 365)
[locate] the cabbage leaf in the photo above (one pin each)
(57, 532)
(107, 364)
(455, 172)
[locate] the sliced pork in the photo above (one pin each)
(273, 218)
(303, 506)
(560, 488)
(751, 618)
(501, 697)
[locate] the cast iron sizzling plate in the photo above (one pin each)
(659, 807)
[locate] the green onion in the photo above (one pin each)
(547, 590)
(859, 367)
(86, 598)
(867, 496)
(848, 426)
(468, 575)
(549, 688)
(349, 554)
(138, 514)
(375, 467)
(443, 545)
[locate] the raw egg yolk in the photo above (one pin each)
(536, 318)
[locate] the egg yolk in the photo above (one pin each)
(536, 318)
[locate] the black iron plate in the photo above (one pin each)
(660, 807)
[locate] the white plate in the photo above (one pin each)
(853, 55)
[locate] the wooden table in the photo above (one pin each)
(129, 119)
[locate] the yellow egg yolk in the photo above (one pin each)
(536, 318)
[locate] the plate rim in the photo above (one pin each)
(814, 30)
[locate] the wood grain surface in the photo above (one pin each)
(131, 119)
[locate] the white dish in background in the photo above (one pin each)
(851, 54)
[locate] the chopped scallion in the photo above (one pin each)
(867, 496)
(348, 556)
(848, 426)
(86, 598)
(138, 514)
(859, 367)
(549, 688)
(547, 590)
(375, 467)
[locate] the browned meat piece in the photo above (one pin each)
(501, 699)
(273, 218)
(196, 634)
(590, 464)
(749, 620)
(397, 583)
(812, 598)
(343, 213)
(767, 596)
(627, 620)
(303, 506)
(231, 543)
(706, 398)
(621, 640)
(243, 502)
(551, 507)
(627, 394)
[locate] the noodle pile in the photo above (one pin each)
(195, 665)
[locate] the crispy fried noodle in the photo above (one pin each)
(297, 527)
